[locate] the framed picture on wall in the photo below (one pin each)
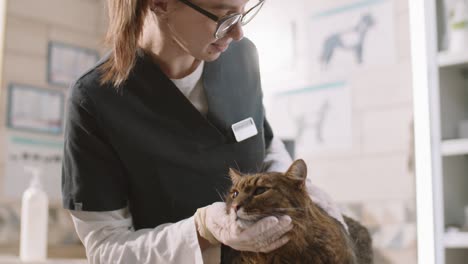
(67, 62)
(35, 109)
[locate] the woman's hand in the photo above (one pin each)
(214, 225)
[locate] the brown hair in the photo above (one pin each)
(126, 19)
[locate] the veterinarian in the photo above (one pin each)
(153, 129)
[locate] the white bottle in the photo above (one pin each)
(34, 220)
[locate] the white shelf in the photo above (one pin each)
(454, 147)
(456, 240)
(448, 59)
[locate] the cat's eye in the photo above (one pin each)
(234, 194)
(260, 190)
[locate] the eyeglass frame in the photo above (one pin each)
(220, 20)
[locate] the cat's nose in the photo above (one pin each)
(235, 207)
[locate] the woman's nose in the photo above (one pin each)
(236, 32)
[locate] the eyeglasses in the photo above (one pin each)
(226, 23)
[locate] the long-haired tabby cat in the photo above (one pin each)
(316, 237)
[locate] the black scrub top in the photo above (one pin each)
(147, 147)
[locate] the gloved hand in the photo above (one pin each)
(214, 225)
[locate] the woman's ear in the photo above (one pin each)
(297, 172)
(158, 6)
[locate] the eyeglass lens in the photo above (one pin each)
(224, 28)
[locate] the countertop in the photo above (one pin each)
(15, 260)
(71, 254)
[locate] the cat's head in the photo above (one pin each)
(254, 196)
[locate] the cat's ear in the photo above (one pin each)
(234, 174)
(298, 171)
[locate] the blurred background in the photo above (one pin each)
(371, 93)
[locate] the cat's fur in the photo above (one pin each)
(315, 238)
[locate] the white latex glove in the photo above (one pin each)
(265, 235)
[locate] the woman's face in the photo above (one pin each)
(194, 32)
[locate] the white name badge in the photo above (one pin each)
(244, 129)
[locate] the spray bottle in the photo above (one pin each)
(34, 218)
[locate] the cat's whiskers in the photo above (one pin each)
(251, 215)
(237, 165)
(290, 208)
(220, 196)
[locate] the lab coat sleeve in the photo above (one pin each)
(108, 237)
(278, 159)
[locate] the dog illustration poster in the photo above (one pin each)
(317, 117)
(354, 35)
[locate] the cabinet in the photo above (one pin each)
(440, 105)
(453, 175)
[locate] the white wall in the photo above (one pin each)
(30, 25)
(373, 179)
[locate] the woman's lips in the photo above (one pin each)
(220, 47)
